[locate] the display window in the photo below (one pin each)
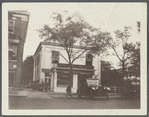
(63, 79)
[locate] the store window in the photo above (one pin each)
(63, 79)
(55, 56)
(89, 59)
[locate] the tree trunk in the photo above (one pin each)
(124, 87)
(123, 70)
(71, 76)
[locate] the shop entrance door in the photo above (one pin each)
(48, 82)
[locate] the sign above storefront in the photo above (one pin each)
(75, 66)
(75, 71)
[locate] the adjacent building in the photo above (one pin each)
(17, 30)
(51, 68)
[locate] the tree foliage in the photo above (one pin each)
(106, 66)
(27, 70)
(133, 57)
(120, 41)
(100, 43)
(69, 31)
(129, 56)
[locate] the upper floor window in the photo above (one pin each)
(89, 59)
(55, 56)
(12, 55)
(11, 25)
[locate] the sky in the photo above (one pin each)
(107, 16)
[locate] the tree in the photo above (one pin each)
(27, 70)
(120, 42)
(104, 41)
(100, 43)
(68, 31)
(133, 56)
(106, 66)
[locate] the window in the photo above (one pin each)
(63, 79)
(89, 59)
(55, 56)
(12, 55)
(46, 80)
(11, 25)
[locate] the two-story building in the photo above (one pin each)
(50, 67)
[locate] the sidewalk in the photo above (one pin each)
(115, 95)
(13, 92)
(59, 95)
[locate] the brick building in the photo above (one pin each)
(17, 30)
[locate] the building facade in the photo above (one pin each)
(17, 30)
(51, 68)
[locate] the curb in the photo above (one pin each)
(60, 95)
(14, 95)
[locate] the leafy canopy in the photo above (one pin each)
(69, 30)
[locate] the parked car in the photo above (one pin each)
(132, 88)
(90, 88)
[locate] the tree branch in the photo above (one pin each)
(76, 53)
(79, 56)
(64, 58)
(65, 49)
(117, 54)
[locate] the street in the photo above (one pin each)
(49, 100)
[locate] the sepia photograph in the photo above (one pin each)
(74, 58)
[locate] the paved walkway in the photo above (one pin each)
(36, 94)
(51, 95)
(17, 92)
(29, 93)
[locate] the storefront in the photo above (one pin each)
(60, 77)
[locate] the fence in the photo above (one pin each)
(116, 89)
